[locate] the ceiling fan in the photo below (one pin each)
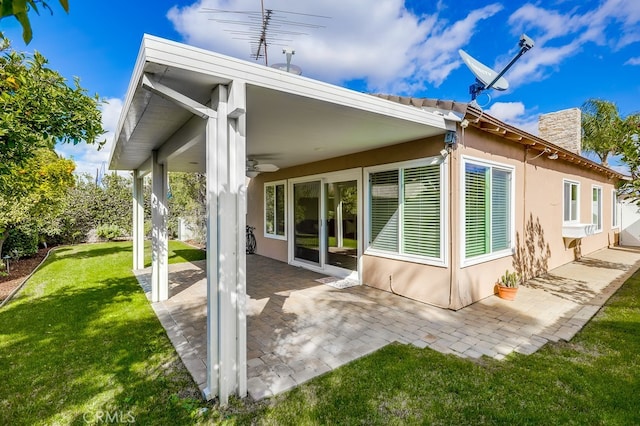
(254, 168)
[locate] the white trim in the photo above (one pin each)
(577, 219)
(322, 266)
(264, 209)
(615, 210)
(512, 211)
(443, 260)
(601, 215)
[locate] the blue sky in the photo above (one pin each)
(584, 49)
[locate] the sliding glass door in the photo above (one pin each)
(306, 211)
(326, 222)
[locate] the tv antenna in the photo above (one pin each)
(264, 27)
(486, 78)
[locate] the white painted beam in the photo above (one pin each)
(165, 92)
(183, 139)
(159, 238)
(138, 221)
(145, 168)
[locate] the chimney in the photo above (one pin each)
(563, 128)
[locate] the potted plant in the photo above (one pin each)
(508, 285)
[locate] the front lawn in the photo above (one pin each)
(81, 340)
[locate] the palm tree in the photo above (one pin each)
(603, 130)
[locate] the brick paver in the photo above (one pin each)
(298, 328)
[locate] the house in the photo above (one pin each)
(427, 199)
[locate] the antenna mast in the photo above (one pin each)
(264, 28)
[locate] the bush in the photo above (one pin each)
(109, 232)
(21, 243)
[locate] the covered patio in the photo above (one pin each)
(191, 110)
(299, 327)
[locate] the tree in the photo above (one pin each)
(38, 110)
(20, 9)
(89, 205)
(188, 200)
(39, 189)
(603, 130)
(631, 157)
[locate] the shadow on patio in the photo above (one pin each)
(299, 328)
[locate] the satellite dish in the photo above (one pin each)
(482, 72)
(290, 68)
(486, 78)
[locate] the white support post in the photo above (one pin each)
(226, 279)
(159, 240)
(138, 221)
(237, 108)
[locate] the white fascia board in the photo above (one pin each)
(134, 83)
(173, 54)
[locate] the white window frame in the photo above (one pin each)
(491, 255)
(599, 189)
(274, 184)
(615, 210)
(577, 219)
(444, 211)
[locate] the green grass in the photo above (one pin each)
(178, 252)
(82, 338)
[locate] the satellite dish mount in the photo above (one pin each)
(486, 78)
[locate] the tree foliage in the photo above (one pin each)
(19, 9)
(631, 156)
(188, 201)
(38, 109)
(603, 129)
(89, 206)
(38, 191)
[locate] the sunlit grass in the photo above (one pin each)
(81, 339)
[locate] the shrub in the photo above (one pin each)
(21, 243)
(109, 232)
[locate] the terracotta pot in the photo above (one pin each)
(507, 293)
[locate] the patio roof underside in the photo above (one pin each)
(285, 126)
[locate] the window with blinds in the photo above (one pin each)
(488, 208)
(405, 211)
(274, 210)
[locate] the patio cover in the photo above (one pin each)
(192, 110)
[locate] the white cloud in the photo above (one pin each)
(561, 35)
(514, 113)
(386, 46)
(87, 157)
(633, 61)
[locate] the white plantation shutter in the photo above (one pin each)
(500, 210)
(421, 211)
(476, 210)
(384, 210)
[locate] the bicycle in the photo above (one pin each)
(251, 240)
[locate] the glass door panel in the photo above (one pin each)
(306, 205)
(341, 213)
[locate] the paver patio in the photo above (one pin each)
(299, 328)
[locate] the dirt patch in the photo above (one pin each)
(18, 272)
